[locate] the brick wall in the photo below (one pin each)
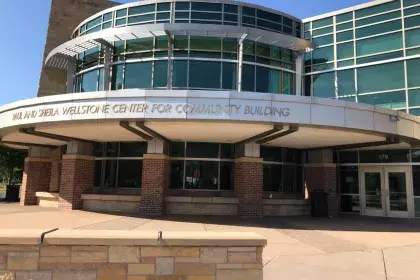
(65, 16)
(323, 177)
(77, 174)
(36, 178)
(249, 186)
(154, 185)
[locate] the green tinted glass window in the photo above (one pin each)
(345, 50)
(180, 42)
(248, 78)
(379, 44)
(161, 42)
(346, 82)
(138, 75)
(143, 44)
(119, 47)
(205, 15)
(117, 77)
(182, 6)
(230, 45)
(345, 63)
(163, 6)
(89, 81)
(205, 43)
(287, 84)
(412, 11)
(378, 9)
(106, 25)
(231, 8)
(322, 22)
(101, 79)
(413, 71)
(95, 29)
(249, 47)
(210, 78)
(324, 85)
(413, 52)
(344, 17)
(161, 16)
(182, 15)
(411, 2)
(324, 40)
(345, 36)
(160, 75)
(412, 38)
(379, 28)
(375, 19)
(322, 31)
(121, 13)
(141, 9)
(344, 26)
(412, 21)
(268, 80)
(414, 97)
(379, 57)
(308, 85)
(94, 22)
(202, 6)
(307, 26)
(121, 21)
(323, 55)
(248, 11)
(107, 16)
(229, 75)
(229, 17)
(143, 18)
(391, 76)
(179, 75)
(322, 67)
(390, 100)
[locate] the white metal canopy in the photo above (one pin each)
(58, 57)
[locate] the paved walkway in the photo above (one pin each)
(298, 248)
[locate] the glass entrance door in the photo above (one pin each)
(385, 191)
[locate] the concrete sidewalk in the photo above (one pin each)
(298, 247)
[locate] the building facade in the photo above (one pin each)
(223, 108)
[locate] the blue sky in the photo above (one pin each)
(23, 38)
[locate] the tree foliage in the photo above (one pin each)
(11, 165)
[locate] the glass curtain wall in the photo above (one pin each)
(119, 165)
(143, 63)
(357, 49)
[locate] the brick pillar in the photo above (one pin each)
(249, 186)
(323, 176)
(36, 178)
(154, 184)
(77, 172)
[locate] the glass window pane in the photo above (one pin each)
(379, 44)
(345, 63)
(344, 17)
(138, 75)
(121, 13)
(349, 157)
(163, 6)
(391, 100)
(121, 21)
(346, 82)
(205, 43)
(202, 150)
(411, 2)
(177, 149)
(210, 78)
(379, 57)
(89, 81)
(107, 16)
(160, 77)
(289, 179)
(181, 42)
(378, 9)
(371, 20)
(381, 156)
(413, 70)
(412, 21)
(268, 80)
(101, 79)
(414, 97)
(177, 175)
(183, 6)
(94, 22)
(205, 15)
(230, 45)
(201, 175)
(229, 80)
(271, 153)
(324, 40)
(345, 36)
(142, 44)
(110, 178)
(391, 76)
(161, 16)
(227, 151)
(141, 9)
(322, 31)
(201, 6)
(287, 85)
(344, 26)
(98, 174)
(324, 85)
(135, 19)
(379, 28)
(231, 9)
(133, 149)
(412, 11)
(322, 22)
(117, 77)
(412, 38)
(179, 75)
(323, 55)
(129, 173)
(227, 173)
(248, 78)
(345, 50)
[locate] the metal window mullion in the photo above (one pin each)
(240, 65)
(185, 165)
(405, 60)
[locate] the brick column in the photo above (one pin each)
(249, 186)
(77, 174)
(323, 176)
(154, 184)
(36, 178)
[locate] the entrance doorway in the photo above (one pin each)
(386, 191)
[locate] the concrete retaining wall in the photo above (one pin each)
(122, 255)
(202, 206)
(46, 199)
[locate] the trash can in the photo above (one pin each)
(12, 193)
(319, 203)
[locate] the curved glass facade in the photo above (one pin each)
(193, 12)
(148, 63)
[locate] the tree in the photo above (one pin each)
(11, 164)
